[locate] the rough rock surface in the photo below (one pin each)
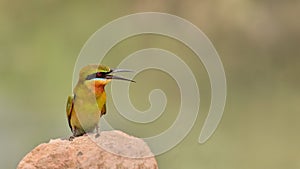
(111, 150)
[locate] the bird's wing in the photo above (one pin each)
(103, 110)
(69, 109)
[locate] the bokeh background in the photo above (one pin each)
(258, 42)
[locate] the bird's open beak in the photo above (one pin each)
(110, 76)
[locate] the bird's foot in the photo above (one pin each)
(97, 135)
(71, 138)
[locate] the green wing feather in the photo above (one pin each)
(69, 109)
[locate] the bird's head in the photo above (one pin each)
(97, 76)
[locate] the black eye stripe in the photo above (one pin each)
(97, 75)
(91, 76)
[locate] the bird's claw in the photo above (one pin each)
(71, 138)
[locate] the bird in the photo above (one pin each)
(88, 102)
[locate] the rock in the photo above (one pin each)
(111, 150)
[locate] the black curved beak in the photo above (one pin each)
(109, 76)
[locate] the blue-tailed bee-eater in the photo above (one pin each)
(88, 102)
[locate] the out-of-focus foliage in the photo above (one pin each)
(258, 42)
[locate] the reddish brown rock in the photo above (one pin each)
(111, 150)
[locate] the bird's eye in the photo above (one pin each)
(98, 74)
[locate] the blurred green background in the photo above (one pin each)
(258, 42)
